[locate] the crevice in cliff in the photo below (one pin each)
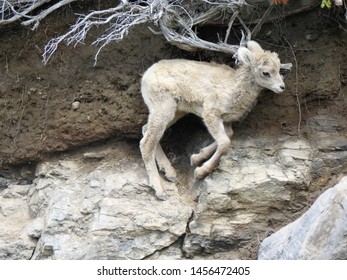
(34, 250)
(172, 251)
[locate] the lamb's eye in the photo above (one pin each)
(266, 74)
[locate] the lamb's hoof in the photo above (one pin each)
(171, 174)
(162, 196)
(194, 161)
(201, 172)
(171, 178)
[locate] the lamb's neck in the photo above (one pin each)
(250, 88)
(244, 98)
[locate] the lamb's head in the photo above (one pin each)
(264, 65)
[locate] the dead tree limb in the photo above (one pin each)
(26, 11)
(175, 19)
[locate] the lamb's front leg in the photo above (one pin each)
(204, 154)
(207, 152)
(216, 128)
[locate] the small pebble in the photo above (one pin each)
(75, 105)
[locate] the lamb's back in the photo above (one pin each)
(187, 79)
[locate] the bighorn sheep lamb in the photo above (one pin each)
(217, 93)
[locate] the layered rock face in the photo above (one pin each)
(74, 212)
(255, 184)
(95, 204)
(114, 227)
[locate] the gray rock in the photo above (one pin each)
(173, 252)
(332, 144)
(325, 123)
(34, 230)
(250, 183)
(3, 183)
(335, 158)
(14, 219)
(15, 191)
(333, 152)
(105, 213)
(95, 155)
(75, 105)
(100, 207)
(321, 233)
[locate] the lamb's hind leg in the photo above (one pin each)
(163, 162)
(218, 132)
(158, 120)
(207, 152)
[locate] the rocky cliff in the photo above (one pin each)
(94, 204)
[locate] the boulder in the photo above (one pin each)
(321, 233)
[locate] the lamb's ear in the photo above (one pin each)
(286, 66)
(253, 46)
(245, 56)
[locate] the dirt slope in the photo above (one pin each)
(37, 114)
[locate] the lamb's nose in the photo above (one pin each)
(282, 87)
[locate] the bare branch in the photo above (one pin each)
(257, 28)
(119, 19)
(46, 12)
(14, 10)
(231, 22)
(174, 18)
(178, 30)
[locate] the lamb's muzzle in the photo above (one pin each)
(217, 93)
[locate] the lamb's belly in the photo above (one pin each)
(190, 108)
(230, 117)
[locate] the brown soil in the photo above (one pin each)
(36, 100)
